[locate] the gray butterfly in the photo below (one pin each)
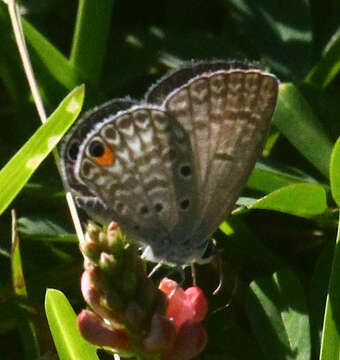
(170, 168)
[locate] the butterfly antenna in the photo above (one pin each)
(230, 300)
(221, 274)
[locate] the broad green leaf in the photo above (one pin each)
(329, 66)
(305, 200)
(268, 177)
(277, 310)
(19, 169)
(335, 172)
(330, 341)
(297, 122)
(62, 321)
(90, 37)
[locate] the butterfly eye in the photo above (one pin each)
(102, 153)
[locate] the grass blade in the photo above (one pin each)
(63, 324)
(330, 341)
(57, 65)
(26, 326)
(329, 66)
(278, 314)
(90, 37)
(15, 174)
(297, 122)
(335, 173)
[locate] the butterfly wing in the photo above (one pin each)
(169, 173)
(78, 133)
(227, 114)
(143, 172)
(158, 92)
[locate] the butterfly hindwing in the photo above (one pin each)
(78, 133)
(150, 184)
(227, 114)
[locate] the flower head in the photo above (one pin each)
(129, 314)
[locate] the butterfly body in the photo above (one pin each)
(169, 169)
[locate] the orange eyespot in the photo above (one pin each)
(107, 158)
(102, 154)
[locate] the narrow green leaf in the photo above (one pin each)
(62, 321)
(297, 122)
(281, 32)
(305, 200)
(329, 66)
(19, 169)
(330, 341)
(41, 228)
(44, 229)
(90, 37)
(26, 326)
(18, 278)
(269, 177)
(58, 66)
(335, 172)
(277, 311)
(40, 225)
(271, 140)
(318, 293)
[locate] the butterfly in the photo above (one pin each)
(170, 168)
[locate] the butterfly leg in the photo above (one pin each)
(221, 274)
(193, 274)
(155, 269)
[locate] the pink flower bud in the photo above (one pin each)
(186, 308)
(90, 294)
(198, 301)
(190, 341)
(161, 336)
(94, 330)
(188, 305)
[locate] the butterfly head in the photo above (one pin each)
(181, 254)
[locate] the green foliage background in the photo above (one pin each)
(281, 241)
